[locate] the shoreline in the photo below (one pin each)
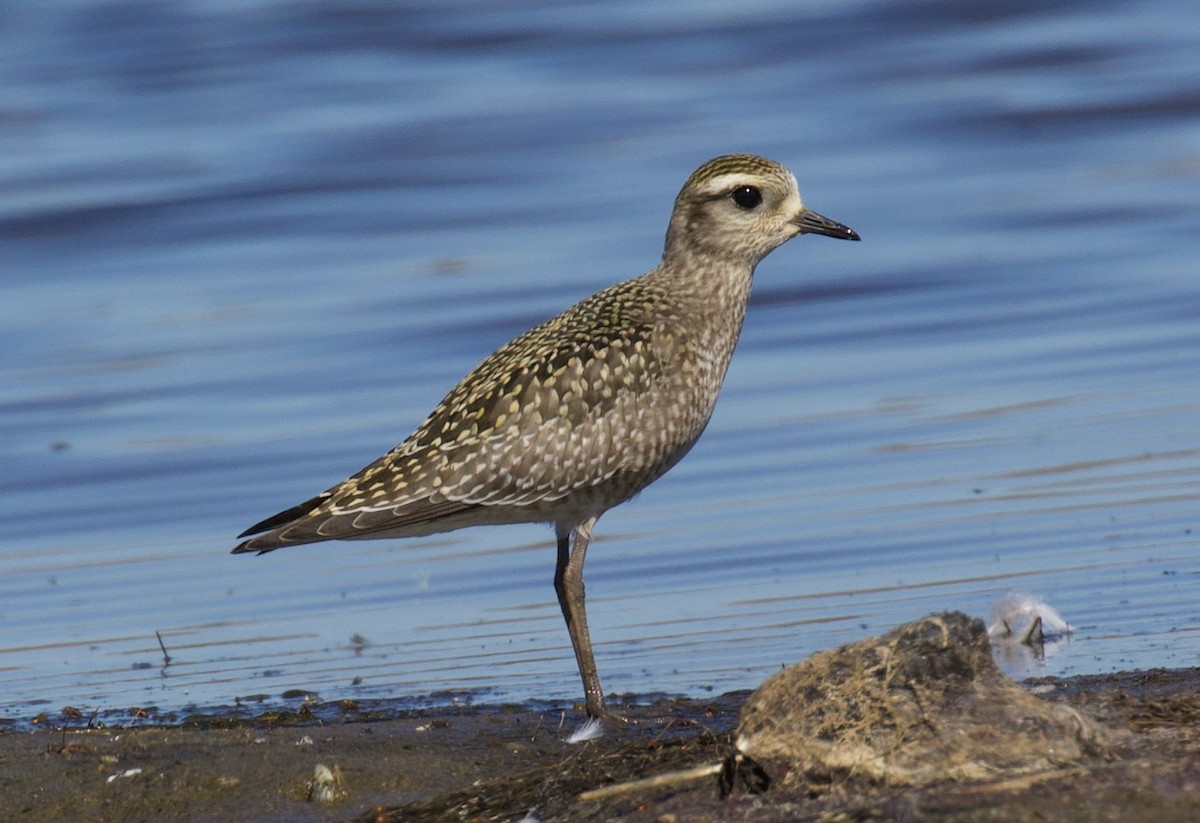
(499, 762)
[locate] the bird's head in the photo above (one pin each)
(740, 207)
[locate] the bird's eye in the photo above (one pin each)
(747, 197)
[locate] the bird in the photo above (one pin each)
(584, 411)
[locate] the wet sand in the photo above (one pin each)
(502, 762)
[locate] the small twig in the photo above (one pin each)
(1035, 638)
(656, 782)
(666, 727)
(537, 728)
(163, 646)
(1023, 782)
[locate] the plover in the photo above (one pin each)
(580, 413)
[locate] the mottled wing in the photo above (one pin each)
(549, 414)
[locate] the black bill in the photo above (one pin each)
(812, 223)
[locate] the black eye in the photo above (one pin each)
(748, 197)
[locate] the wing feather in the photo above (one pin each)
(533, 423)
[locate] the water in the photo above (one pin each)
(246, 247)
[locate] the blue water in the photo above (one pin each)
(245, 247)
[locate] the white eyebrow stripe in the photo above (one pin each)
(728, 182)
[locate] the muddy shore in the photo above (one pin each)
(504, 762)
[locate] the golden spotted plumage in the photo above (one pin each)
(580, 413)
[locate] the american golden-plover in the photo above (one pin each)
(587, 409)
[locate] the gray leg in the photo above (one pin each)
(568, 583)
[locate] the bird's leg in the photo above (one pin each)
(568, 583)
